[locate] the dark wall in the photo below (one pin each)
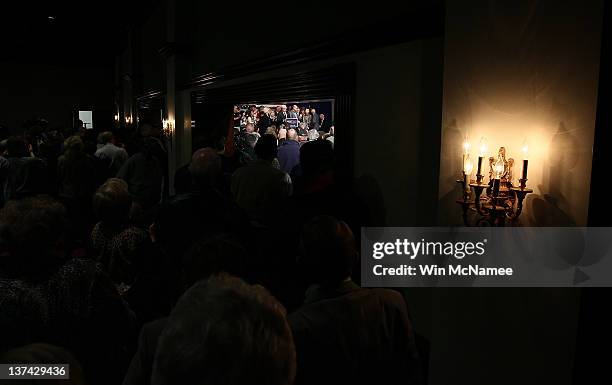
(53, 91)
(148, 40)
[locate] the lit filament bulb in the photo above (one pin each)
(483, 147)
(467, 168)
(499, 168)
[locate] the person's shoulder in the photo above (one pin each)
(278, 173)
(34, 161)
(298, 320)
(389, 297)
(239, 171)
(133, 231)
(154, 328)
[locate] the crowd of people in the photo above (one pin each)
(246, 273)
(309, 124)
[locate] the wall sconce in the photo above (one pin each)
(502, 201)
(117, 118)
(168, 128)
(128, 119)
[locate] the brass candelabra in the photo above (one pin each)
(502, 201)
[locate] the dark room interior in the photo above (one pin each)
(175, 208)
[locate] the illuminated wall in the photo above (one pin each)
(516, 71)
(521, 69)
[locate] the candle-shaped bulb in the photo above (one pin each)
(467, 168)
(483, 148)
(499, 167)
(466, 146)
(525, 150)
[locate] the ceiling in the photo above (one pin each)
(69, 31)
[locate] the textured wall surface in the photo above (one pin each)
(523, 71)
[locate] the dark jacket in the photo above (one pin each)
(77, 176)
(144, 176)
(141, 367)
(325, 125)
(289, 155)
(351, 335)
(315, 121)
(22, 176)
(189, 217)
(264, 123)
(280, 118)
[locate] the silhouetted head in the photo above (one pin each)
(74, 145)
(213, 255)
(145, 128)
(23, 315)
(16, 147)
(205, 167)
(266, 147)
(105, 137)
(224, 331)
(251, 138)
(328, 250)
(149, 146)
(31, 236)
(271, 130)
(316, 158)
(112, 202)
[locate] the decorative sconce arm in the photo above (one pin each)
(501, 200)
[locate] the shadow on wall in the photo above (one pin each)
(450, 211)
(552, 208)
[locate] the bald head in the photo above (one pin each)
(205, 166)
(292, 134)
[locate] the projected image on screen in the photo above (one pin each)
(291, 123)
(310, 119)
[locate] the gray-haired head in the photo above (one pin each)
(205, 166)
